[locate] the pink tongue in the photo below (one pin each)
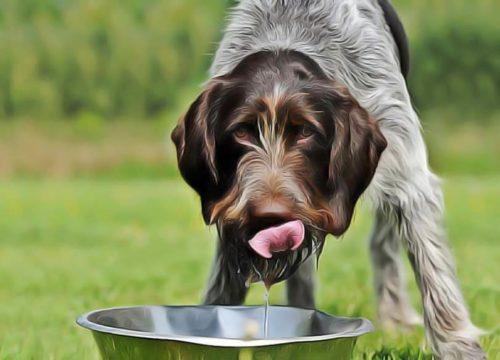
(287, 236)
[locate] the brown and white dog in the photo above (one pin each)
(290, 131)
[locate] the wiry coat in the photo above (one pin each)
(352, 43)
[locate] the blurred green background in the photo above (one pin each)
(93, 212)
(89, 71)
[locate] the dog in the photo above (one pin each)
(306, 109)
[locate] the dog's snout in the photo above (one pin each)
(272, 209)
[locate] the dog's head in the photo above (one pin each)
(277, 145)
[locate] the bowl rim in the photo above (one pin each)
(83, 321)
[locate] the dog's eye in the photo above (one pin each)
(305, 132)
(243, 133)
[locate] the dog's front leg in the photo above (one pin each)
(226, 286)
(450, 331)
(415, 205)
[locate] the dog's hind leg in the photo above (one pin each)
(394, 307)
(300, 286)
(225, 285)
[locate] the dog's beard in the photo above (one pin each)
(252, 268)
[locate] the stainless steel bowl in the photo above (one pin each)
(222, 333)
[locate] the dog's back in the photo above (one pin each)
(325, 30)
(399, 34)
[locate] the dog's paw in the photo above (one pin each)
(462, 349)
(460, 345)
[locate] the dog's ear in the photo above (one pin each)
(194, 138)
(356, 148)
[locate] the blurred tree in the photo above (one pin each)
(136, 58)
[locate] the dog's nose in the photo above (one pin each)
(272, 209)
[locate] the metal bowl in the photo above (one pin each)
(222, 332)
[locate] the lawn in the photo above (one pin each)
(69, 246)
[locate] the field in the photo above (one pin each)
(71, 246)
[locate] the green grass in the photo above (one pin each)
(67, 247)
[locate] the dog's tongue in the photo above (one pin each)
(287, 236)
